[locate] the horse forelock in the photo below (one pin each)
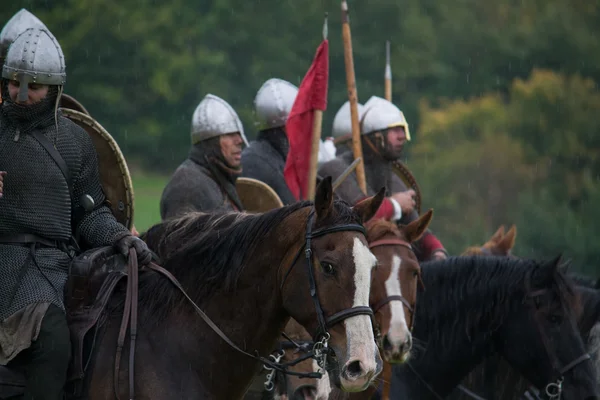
(379, 228)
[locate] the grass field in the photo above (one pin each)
(147, 189)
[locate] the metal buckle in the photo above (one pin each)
(554, 389)
(269, 381)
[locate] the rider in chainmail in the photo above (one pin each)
(380, 119)
(205, 181)
(41, 211)
(265, 158)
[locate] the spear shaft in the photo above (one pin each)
(353, 98)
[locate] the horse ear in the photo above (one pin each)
(513, 229)
(507, 242)
(324, 198)
(368, 207)
(496, 237)
(554, 263)
(417, 228)
(565, 266)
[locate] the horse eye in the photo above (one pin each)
(327, 268)
(415, 274)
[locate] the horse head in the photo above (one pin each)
(394, 283)
(332, 273)
(549, 327)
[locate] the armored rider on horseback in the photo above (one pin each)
(50, 191)
(384, 131)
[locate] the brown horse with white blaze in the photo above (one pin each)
(249, 273)
(394, 283)
(393, 298)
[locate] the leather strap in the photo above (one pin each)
(347, 313)
(28, 238)
(388, 299)
(390, 242)
(129, 315)
(215, 328)
(62, 165)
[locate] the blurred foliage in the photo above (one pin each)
(530, 158)
(502, 96)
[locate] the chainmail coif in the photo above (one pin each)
(36, 200)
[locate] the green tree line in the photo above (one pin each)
(501, 96)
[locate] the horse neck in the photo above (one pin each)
(450, 356)
(251, 315)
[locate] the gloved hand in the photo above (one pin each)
(122, 245)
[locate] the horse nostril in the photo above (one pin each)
(305, 392)
(352, 369)
(408, 343)
(387, 345)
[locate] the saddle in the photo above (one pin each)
(92, 280)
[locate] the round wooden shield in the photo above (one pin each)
(256, 196)
(67, 101)
(409, 180)
(114, 174)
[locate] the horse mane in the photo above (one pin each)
(469, 292)
(379, 228)
(211, 251)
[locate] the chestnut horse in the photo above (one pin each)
(249, 273)
(393, 299)
(500, 244)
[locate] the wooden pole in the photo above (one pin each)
(316, 141)
(353, 98)
(388, 73)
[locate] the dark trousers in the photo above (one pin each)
(46, 361)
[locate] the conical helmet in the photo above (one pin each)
(215, 117)
(35, 57)
(273, 103)
(19, 22)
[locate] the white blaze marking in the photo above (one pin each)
(323, 385)
(359, 331)
(398, 327)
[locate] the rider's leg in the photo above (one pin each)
(48, 358)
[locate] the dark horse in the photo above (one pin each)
(495, 379)
(249, 274)
(524, 310)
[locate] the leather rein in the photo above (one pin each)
(320, 348)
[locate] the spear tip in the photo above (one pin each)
(325, 27)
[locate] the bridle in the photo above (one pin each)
(279, 378)
(388, 299)
(553, 389)
(322, 336)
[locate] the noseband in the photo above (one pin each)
(383, 302)
(553, 389)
